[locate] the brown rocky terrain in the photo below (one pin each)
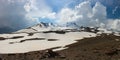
(104, 47)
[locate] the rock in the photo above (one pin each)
(0, 58)
(117, 40)
(2, 38)
(49, 54)
(111, 52)
(62, 56)
(60, 32)
(118, 49)
(16, 37)
(30, 34)
(95, 51)
(52, 39)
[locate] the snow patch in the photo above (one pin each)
(36, 45)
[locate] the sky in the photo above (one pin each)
(19, 14)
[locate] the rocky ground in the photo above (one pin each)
(104, 47)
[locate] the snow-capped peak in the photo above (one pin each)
(44, 25)
(39, 27)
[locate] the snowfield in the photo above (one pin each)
(43, 36)
(22, 42)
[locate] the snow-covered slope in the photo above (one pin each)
(34, 38)
(39, 41)
(42, 27)
(38, 28)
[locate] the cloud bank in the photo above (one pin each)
(13, 14)
(18, 14)
(85, 15)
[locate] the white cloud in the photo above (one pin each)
(27, 7)
(23, 13)
(114, 24)
(91, 16)
(114, 10)
(39, 8)
(85, 10)
(99, 12)
(85, 15)
(66, 15)
(51, 15)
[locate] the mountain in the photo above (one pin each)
(45, 25)
(45, 36)
(40, 37)
(40, 27)
(72, 24)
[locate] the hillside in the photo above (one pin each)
(49, 42)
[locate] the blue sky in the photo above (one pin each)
(19, 14)
(111, 5)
